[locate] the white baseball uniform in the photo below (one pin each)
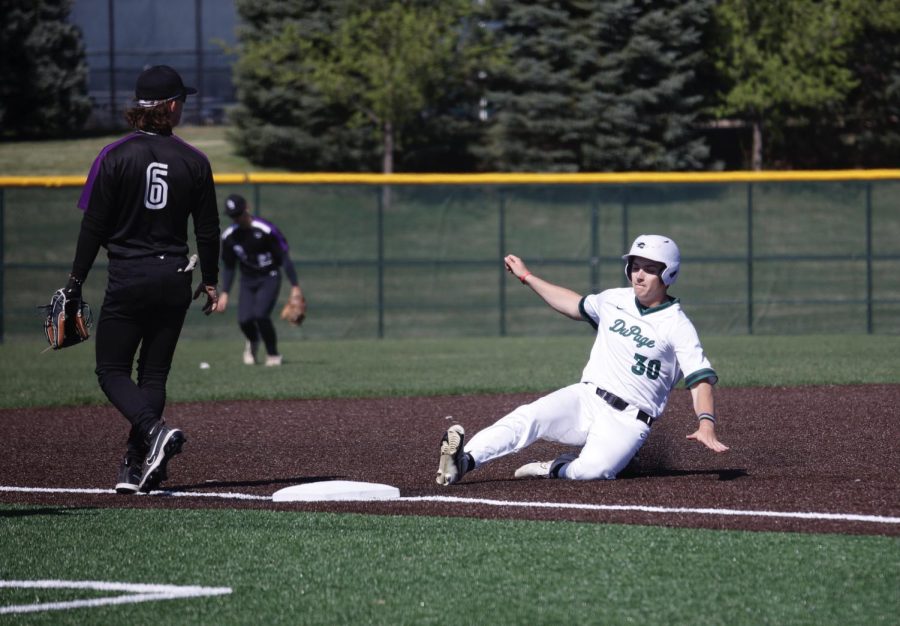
(639, 355)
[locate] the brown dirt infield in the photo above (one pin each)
(829, 449)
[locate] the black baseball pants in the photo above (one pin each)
(257, 299)
(143, 312)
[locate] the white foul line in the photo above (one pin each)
(177, 494)
(135, 592)
(810, 515)
(841, 517)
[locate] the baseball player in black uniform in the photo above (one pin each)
(138, 197)
(262, 251)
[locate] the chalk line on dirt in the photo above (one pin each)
(809, 515)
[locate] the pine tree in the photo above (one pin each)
(43, 72)
(872, 113)
(644, 96)
(598, 85)
(532, 103)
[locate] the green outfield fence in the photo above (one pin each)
(408, 255)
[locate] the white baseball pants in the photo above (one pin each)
(575, 416)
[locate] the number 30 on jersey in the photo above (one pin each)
(643, 366)
(156, 193)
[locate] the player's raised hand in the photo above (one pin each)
(515, 266)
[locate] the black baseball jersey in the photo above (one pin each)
(137, 199)
(259, 249)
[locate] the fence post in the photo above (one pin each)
(869, 322)
(501, 245)
(113, 96)
(749, 258)
(2, 260)
(380, 193)
(198, 57)
(595, 241)
(626, 242)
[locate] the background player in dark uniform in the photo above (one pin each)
(262, 251)
(136, 202)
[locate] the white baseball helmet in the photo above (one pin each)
(656, 248)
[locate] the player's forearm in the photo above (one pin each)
(90, 238)
(206, 231)
(702, 396)
(227, 277)
(209, 265)
(559, 298)
(289, 269)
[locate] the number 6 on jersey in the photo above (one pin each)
(157, 192)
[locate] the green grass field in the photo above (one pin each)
(301, 568)
(73, 157)
(306, 568)
(425, 367)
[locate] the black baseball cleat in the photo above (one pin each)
(164, 444)
(453, 463)
(153, 483)
(129, 476)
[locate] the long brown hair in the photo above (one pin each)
(152, 119)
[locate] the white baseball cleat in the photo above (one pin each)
(539, 469)
(273, 360)
(250, 352)
(450, 467)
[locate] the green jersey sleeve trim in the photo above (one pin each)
(584, 313)
(700, 375)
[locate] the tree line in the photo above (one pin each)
(578, 85)
(526, 85)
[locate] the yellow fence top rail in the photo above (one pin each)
(596, 178)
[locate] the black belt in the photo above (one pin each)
(620, 405)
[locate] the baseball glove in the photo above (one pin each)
(68, 320)
(294, 312)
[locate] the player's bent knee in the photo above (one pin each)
(579, 469)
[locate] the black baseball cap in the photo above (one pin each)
(158, 83)
(235, 205)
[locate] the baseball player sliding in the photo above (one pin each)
(645, 344)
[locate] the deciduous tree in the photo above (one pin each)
(280, 120)
(331, 83)
(782, 57)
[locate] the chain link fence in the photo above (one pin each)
(799, 253)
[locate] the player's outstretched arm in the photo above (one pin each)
(559, 298)
(704, 407)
